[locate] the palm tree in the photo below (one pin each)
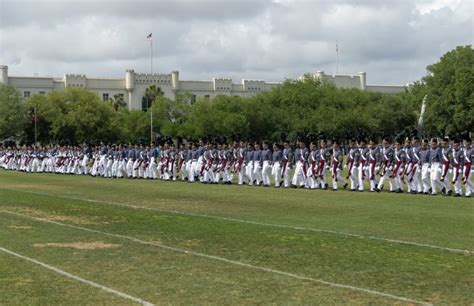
(151, 93)
(117, 102)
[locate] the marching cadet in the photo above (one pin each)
(35, 164)
(312, 173)
(200, 162)
(172, 162)
(386, 165)
(399, 166)
(257, 165)
(414, 175)
(193, 166)
(468, 157)
(363, 169)
(406, 165)
(207, 164)
(446, 154)
(122, 171)
(239, 166)
(353, 163)
(425, 167)
(130, 161)
(183, 161)
(225, 159)
(154, 157)
(372, 160)
(277, 157)
(337, 160)
(301, 157)
(458, 163)
(286, 163)
(266, 161)
(248, 163)
(435, 167)
(189, 162)
(324, 160)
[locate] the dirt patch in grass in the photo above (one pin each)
(19, 226)
(56, 217)
(79, 245)
(192, 242)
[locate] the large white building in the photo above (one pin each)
(133, 86)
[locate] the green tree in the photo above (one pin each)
(117, 102)
(13, 112)
(151, 93)
(450, 90)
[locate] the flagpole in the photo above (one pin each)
(151, 126)
(151, 55)
(337, 57)
(35, 126)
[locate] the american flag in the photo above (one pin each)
(148, 37)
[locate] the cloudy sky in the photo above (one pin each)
(392, 40)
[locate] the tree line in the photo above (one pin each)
(306, 107)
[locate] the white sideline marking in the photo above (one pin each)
(230, 261)
(310, 229)
(77, 278)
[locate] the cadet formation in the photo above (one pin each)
(437, 166)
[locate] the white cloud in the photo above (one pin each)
(392, 40)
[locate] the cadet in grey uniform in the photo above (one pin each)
(435, 167)
(266, 162)
(467, 173)
(257, 165)
(277, 157)
(301, 157)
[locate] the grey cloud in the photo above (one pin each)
(49, 13)
(261, 39)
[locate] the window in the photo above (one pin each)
(26, 94)
(193, 99)
(42, 93)
(120, 95)
(105, 96)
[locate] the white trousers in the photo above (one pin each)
(299, 177)
(266, 167)
(435, 172)
(276, 173)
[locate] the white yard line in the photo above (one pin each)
(77, 278)
(299, 228)
(229, 261)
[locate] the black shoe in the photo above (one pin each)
(443, 190)
(399, 190)
(344, 186)
(449, 193)
(353, 190)
(293, 186)
(334, 190)
(457, 195)
(376, 190)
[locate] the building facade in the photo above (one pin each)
(132, 88)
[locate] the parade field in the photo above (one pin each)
(81, 240)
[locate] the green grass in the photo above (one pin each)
(163, 276)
